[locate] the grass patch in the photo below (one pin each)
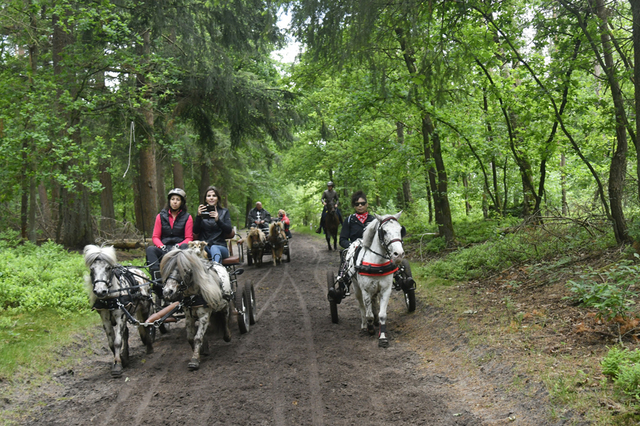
(30, 342)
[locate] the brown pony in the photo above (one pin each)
(331, 224)
(255, 243)
(277, 238)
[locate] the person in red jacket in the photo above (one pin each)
(282, 217)
(173, 227)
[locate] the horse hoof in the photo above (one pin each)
(116, 370)
(371, 330)
(149, 349)
(227, 336)
(194, 364)
(383, 343)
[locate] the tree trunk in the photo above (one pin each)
(178, 175)
(563, 184)
(147, 183)
(635, 9)
(107, 212)
(162, 193)
(205, 179)
(76, 227)
(437, 179)
(618, 166)
(406, 183)
(467, 204)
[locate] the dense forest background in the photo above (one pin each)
(444, 109)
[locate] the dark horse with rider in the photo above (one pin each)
(331, 216)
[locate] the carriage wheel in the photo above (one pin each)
(332, 304)
(288, 253)
(243, 307)
(252, 305)
(410, 299)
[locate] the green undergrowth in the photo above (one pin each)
(33, 343)
(43, 304)
(505, 247)
(35, 277)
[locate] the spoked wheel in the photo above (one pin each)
(243, 304)
(253, 313)
(409, 293)
(288, 253)
(410, 299)
(332, 304)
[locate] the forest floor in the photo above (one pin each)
(509, 349)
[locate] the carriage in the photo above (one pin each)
(255, 253)
(242, 296)
(376, 266)
(121, 295)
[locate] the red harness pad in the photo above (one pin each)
(376, 269)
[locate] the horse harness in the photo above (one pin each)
(379, 269)
(124, 301)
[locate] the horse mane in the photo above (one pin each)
(207, 284)
(92, 253)
(253, 232)
(273, 236)
(370, 232)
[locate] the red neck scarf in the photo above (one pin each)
(362, 217)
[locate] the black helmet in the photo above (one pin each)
(330, 183)
(178, 191)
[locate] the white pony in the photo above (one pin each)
(118, 293)
(200, 285)
(371, 262)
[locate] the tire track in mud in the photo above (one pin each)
(314, 380)
(294, 367)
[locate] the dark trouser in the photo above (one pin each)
(154, 256)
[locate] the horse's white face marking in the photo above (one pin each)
(393, 231)
(101, 276)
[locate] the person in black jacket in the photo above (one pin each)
(259, 217)
(213, 224)
(353, 226)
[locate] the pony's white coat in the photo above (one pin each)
(373, 292)
(101, 261)
(203, 278)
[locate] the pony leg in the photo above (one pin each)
(328, 240)
(108, 329)
(120, 344)
(203, 323)
(368, 314)
(225, 324)
(142, 313)
(383, 340)
(273, 255)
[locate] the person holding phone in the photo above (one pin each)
(212, 224)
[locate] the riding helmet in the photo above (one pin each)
(330, 183)
(180, 192)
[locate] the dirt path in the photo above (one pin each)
(294, 367)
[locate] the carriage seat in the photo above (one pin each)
(232, 259)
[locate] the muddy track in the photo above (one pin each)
(294, 367)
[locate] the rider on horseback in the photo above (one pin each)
(352, 229)
(328, 197)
